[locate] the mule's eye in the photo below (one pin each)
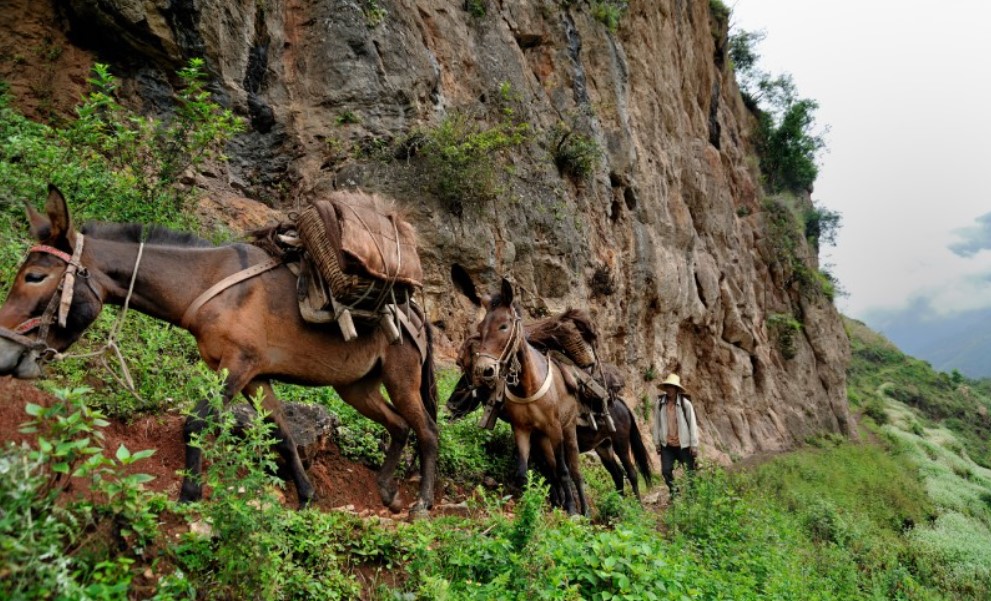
(503, 327)
(34, 278)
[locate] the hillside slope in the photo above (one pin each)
(609, 170)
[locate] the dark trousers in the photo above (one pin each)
(671, 454)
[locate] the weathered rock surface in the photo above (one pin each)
(310, 425)
(665, 244)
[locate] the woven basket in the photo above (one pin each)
(346, 288)
(578, 350)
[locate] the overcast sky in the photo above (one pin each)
(905, 88)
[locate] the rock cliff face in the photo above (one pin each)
(667, 242)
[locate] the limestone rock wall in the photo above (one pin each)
(666, 244)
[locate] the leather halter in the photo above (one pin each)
(509, 365)
(67, 285)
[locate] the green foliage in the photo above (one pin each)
(375, 15)
(787, 142)
(46, 538)
(476, 8)
(784, 248)
(720, 12)
(821, 226)
(743, 53)
(784, 327)
(609, 12)
(113, 164)
(786, 146)
(575, 154)
(348, 118)
(149, 155)
(461, 156)
(874, 409)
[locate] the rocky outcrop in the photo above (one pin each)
(666, 243)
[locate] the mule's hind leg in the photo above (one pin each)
(284, 442)
(364, 396)
(611, 463)
(623, 450)
(401, 376)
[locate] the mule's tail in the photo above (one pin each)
(640, 454)
(428, 381)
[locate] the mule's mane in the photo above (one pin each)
(150, 234)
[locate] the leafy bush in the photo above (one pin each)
(49, 536)
(783, 327)
(476, 8)
(460, 155)
(786, 140)
(785, 143)
(821, 226)
(575, 153)
(609, 12)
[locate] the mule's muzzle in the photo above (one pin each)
(17, 360)
(486, 371)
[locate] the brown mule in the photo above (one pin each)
(253, 330)
(541, 406)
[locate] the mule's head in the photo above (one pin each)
(500, 335)
(36, 292)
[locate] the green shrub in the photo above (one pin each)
(575, 153)
(476, 8)
(609, 12)
(821, 226)
(784, 327)
(720, 12)
(875, 409)
(460, 156)
(48, 533)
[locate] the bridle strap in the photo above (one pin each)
(69, 280)
(21, 339)
(224, 284)
(58, 303)
(548, 380)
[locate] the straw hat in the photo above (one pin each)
(673, 380)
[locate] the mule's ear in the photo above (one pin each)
(41, 227)
(58, 215)
(506, 293)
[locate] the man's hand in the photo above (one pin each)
(695, 451)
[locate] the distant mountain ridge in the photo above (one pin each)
(961, 341)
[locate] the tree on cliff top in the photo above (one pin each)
(786, 141)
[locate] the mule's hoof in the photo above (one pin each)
(396, 506)
(190, 493)
(307, 502)
(418, 512)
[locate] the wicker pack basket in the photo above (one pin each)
(578, 350)
(348, 279)
(570, 332)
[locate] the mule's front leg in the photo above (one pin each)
(192, 487)
(522, 436)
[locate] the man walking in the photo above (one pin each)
(675, 430)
